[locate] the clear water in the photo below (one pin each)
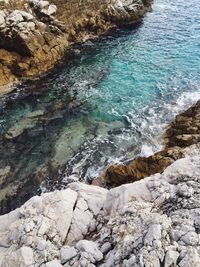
(112, 103)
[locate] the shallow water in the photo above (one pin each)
(111, 104)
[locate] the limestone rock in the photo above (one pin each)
(21, 257)
(67, 253)
(171, 258)
(54, 263)
(95, 196)
(191, 258)
(148, 223)
(90, 248)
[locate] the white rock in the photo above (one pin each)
(2, 20)
(52, 9)
(94, 196)
(90, 248)
(22, 257)
(27, 16)
(43, 4)
(171, 258)
(117, 197)
(82, 218)
(191, 239)
(130, 262)
(105, 247)
(154, 233)
(41, 244)
(15, 17)
(124, 221)
(54, 263)
(191, 259)
(67, 253)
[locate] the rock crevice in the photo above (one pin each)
(152, 222)
(35, 34)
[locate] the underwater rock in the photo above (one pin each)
(4, 172)
(24, 124)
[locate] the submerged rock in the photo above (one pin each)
(24, 124)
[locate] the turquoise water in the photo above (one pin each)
(150, 71)
(111, 104)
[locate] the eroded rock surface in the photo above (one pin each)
(34, 34)
(180, 134)
(152, 222)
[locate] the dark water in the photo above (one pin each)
(109, 104)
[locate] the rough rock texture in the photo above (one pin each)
(150, 223)
(181, 133)
(34, 34)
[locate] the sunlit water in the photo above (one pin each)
(124, 91)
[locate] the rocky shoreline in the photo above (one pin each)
(179, 135)
(152, 222)
(36, 34)
(149, 213)
(34, 37)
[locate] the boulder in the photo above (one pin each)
(20, 258)
(90, 248)
(67, 253)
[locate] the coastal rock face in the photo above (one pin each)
(152, 222)
(28, 44)
(35, 34)
(180, 134)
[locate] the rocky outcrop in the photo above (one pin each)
(180, 134)
(28, 46)
(153, 222)
(35, 34)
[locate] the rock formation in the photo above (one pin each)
(35, 34)
(180, 134)
(150, 223)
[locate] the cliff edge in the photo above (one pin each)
(35, 34)
(153, 222)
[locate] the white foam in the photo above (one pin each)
(146, 151)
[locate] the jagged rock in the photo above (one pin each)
(67, 253)
(52, 9)
(90, 248)
(21, 257)
(35, 29)
(183, 132)
(171, 258)
(95, 196)
(82, 218)
(152, 222)
(122, 11)
(191, 258)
